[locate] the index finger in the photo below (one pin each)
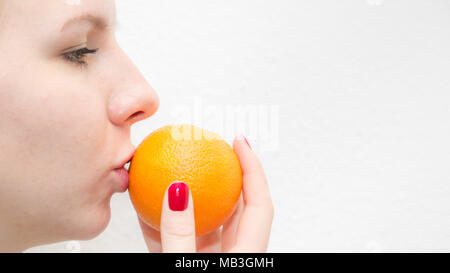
(256, 219)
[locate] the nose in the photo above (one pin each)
(132, 98)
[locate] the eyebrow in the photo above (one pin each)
(97, 22)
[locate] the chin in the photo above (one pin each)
(91, 223)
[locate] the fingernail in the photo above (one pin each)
(248, 144)
(178, 196)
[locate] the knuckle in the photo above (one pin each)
(268, 204)
(269, 208)
(265, 208)
(178, 230)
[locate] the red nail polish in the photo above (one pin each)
(247, 142)
(178, 196)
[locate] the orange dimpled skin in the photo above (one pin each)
(201, 159)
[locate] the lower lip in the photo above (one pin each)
(122, 173)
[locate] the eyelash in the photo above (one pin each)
(77, 56)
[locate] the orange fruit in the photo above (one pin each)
(201, 159)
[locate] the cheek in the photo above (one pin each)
(55, 138)
(63, 123)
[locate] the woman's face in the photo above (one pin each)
(65, 119)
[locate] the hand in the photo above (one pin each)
(247, 229)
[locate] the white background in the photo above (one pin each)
(362, 90)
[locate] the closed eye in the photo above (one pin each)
(78, 56)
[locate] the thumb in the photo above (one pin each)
(177, 220)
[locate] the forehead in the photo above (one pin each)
(56, 12)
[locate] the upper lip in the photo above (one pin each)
(126, 160)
